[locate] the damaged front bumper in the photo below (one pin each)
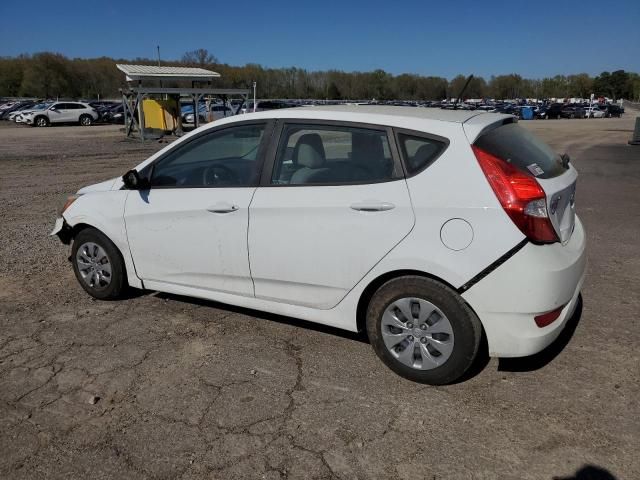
(62, 230)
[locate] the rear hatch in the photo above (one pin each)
(521, 149)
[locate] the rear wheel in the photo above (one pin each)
(41, 122)
(86, 120)
(98, 265)
(423, 330)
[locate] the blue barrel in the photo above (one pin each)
(527, 113)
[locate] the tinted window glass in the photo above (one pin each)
(227, 158)
(522, 149)
(418, 152)
(332, 155)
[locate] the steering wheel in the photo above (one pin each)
(219, 175)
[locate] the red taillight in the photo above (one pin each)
(520, 195)
(548, 318)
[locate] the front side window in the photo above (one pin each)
(311, 154)
(226, 158)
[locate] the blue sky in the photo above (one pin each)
(535, 38)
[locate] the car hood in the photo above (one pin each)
(105, 186)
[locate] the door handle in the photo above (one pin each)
(372, 206)
(223, 208)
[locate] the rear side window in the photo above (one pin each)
(522, 149)
(419, 152)
(333, 155)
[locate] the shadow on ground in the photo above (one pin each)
(296, 322)
(589, 472)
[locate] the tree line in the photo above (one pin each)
(53, 75)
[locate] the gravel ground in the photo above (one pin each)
(159, 386)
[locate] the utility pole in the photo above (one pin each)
(254, 96)
(158, 47)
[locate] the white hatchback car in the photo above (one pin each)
(62, 112)
(426, 228)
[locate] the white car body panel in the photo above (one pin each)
(537, 279)
(309, 247)
(175, 238)
(104, 210)
(295, 259)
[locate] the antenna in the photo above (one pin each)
(455, 104)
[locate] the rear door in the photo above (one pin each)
(521, 148)
(330, 206)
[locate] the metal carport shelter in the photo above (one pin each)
(200, 79)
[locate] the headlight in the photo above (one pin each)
(68, 202)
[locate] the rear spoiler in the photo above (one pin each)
(479, 124)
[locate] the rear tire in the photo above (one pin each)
(423, 330)
(85, 120)
(98, 265)
(41, 122)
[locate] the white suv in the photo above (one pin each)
(62, 112)
(426, 228)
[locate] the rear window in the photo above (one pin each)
(521, 148)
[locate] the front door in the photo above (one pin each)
(58, 113)
(336, 203)
(190, 227)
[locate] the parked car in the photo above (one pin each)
(594, 112)
(20, 115)
(15, 106)
(550, 111)
(572, 112)
(62, 112)
(613, 110)
(114, 114)
(466, 229)
(218, 111)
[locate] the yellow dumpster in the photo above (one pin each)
(160, 114)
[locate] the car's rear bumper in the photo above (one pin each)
(536, 280)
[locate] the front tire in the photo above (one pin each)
(423, 330)
(98, 265)
(41, 122)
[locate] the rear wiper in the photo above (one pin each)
(565, 160)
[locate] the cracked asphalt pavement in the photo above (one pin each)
(160, 386)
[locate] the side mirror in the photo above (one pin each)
(133, 181)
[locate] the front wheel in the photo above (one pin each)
(98, 265)
(86, 120)
(41, 122)
(423, 330)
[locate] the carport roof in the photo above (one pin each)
(141, 72)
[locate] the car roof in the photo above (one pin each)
(377, 114)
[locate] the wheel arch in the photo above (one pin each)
(376, 283)
(37, 117)
(72, 231)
